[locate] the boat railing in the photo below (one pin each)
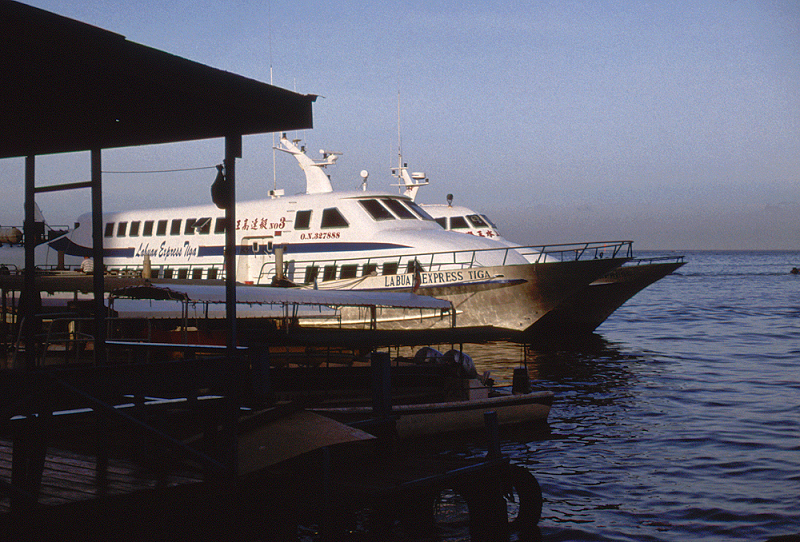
(309, 271)
(592, 250)
(656, 259)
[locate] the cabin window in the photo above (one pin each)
(197, 274)
(442, 222)
(413, 265)
(349, 271)
(329, 272)
(423, 214)
(162, 227)
(167, 272)
(376, 210)
(458, 223)
(477, 221)
(332, 218)
(109, 230)
(189, 228)
(182, 273)
(148, 228)
(203, 226)
(399, 209)
(122, 228)
(212, 274)
(311, 274)
(220, 225)
(175, 229)
(368, 269)
(134, 231)
(302, 220)
(390, 268)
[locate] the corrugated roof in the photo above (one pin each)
(69, 86)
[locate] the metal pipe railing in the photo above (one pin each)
(468, 259)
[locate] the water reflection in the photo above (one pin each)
(595, 382)
(593, 364)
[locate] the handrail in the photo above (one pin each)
(470, 258)
(657, 259)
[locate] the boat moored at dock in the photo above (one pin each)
(328, 239)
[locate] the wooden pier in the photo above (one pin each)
(366, 486)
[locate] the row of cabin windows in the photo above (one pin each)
(329, 272)
(195, 273)
(350, 271)
(391, 209)
(378, 209)
(176, 226)
(463, 222)
(331, 218)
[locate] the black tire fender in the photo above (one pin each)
(529, 494)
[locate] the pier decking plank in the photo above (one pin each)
(69, 477)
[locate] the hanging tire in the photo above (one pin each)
(529, 496)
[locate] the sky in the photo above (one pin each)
(674, 124)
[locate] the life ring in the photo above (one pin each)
(529, 496)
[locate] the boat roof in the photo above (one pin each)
(265, 295)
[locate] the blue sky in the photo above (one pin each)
(675, 124)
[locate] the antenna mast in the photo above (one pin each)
(269, 27)
(399, 136)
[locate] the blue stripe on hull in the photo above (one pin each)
(70, 248)
(62, 244)
(302, 248)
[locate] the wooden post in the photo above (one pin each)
(381, 384)
(261, 384)
(493, 431)
(30, 448)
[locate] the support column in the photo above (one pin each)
(99, 264)
(29, 287)
(233, 150)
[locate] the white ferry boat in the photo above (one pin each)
(583, 311)
(349, 240)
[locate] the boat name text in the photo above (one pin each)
(260, 223)
(431, 277)
(165, 251)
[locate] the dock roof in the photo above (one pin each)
(69, 86)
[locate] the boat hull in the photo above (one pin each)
(420, 420)
(506, 299)
(585, 310)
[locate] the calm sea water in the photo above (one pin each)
(679, 419)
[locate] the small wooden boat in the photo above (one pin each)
(425, 419)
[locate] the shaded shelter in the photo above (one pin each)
(69, 86)
(73, 87)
